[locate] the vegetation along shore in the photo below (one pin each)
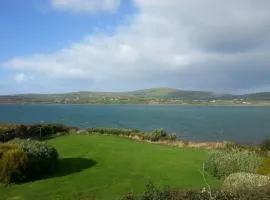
(110, 163)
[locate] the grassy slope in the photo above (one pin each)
(116, 167)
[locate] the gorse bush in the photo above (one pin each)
(245, 181)
(12, 161)
(223, 163)
(42, 159)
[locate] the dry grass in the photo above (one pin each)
(182, 143)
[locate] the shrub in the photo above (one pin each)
(10, 131)
(154, 136)
(229, 145)
(244, 182)
(12, 162)
(172, 137)
(34, 130)
(213, 195)
(161, 135)
(154, 193)
(265, 167)
(223, 163)
(42, 159)
(6, 147)
(261, 193)
(265, 145)
(112, 131)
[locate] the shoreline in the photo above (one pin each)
(144, 104)
(9, 131)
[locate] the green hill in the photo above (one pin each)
(147, 96)
(263, 96)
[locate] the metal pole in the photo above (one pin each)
(40, 130)
(40, 134)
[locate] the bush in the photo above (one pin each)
(154, 193)
(6, 147)
(265, 145)
(12, 162)
(154, 136)
(42, 159)
(10, 131)
(244, 182)
(213, 195)
(265, 167)
(111, 131)
(161, 135)
(261, 193)
(223, 163)
(229, 145)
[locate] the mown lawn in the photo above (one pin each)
(106, 167)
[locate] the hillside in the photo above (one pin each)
(148, 96)
(263, 96)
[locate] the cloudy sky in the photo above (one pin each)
(119, 45)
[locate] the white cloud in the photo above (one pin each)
(92, 6)
(189, 44)
(20, 78)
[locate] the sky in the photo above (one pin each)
(57, 46)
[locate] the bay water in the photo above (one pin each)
(198, 123)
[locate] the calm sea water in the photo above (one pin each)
(240, 124)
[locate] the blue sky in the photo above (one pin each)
(34, 26)
(118, 45)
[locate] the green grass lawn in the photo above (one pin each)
(106, 167)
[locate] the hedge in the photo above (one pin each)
(11, 131)
(166, 193)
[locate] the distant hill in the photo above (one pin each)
(154, 92)
(263, 96)
(153, 96)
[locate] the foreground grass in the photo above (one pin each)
(106, 167)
